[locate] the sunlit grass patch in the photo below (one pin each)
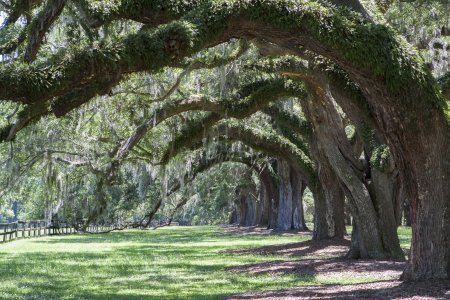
(168, 263)
(404, 235)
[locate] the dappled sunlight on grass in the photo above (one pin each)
(175, 262)
(168, 263)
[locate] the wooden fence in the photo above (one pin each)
(38, 228)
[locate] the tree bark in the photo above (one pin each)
(328, 200)
(271, 188)
(330, 134)
(242, 210)
(380, 174)
(284, 219)
(263, 207)
(247, 207)
(234, 217)
(320, 231)
(298, 188)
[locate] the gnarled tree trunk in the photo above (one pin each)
(331, 138)
(298, 188)
(262, 210)
(271, 189)
(328, 200)
(284, 219)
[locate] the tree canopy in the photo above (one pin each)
(113, 109)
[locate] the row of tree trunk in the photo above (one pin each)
(361, 171)
(277, 202)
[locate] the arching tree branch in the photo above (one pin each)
(40, 25)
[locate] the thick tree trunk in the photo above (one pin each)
(320, 231)
(234, 217)
(380, 175)
(335, 199)
(418, 135)
(430, 219)
(357, 247)
(271, 187)
(329, 198)
(298, 188)
(242, 210)
(251, 211)
(328, 205)
(284, 219)
(247, 210)
(385, 198)
(329, 131)
(262, 218)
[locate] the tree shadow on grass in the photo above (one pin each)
(261, 230)
(327, 268)
(140, 236)
(107, 279)
(136, 265)
(131, 272)
(309, 248)
(376, 290)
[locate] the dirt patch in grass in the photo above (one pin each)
(376, 291)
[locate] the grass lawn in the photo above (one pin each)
(168, 263)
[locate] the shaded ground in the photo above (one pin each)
(324, 260)
(258, 230)
(310, 248)
(327, 268)
(376, 290)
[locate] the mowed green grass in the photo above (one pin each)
(404, 235)
(168, 263)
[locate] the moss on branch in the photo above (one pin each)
(148, 50)
(40, 25)
(250, 99)
(271, 143)
(357, 45)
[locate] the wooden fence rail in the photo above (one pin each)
(29, 229)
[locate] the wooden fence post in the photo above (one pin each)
(11, 231)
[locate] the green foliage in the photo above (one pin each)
(104, 47)
(381, 158)
(308, 207)
(213, 195)
(350, 131)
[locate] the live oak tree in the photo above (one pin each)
(404, 100)
(371, 185)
